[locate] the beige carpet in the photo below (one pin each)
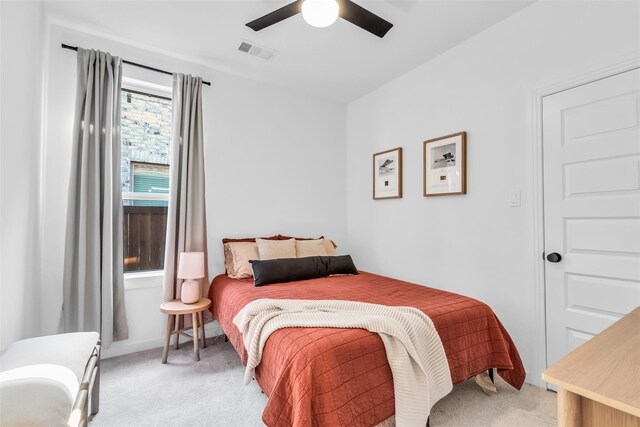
(137, 390)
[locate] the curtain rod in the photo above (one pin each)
(135, 64)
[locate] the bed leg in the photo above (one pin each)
(226, 339)
(428, 418)
(491, 375)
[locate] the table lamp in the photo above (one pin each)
(191, 267)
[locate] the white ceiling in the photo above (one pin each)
(341, 62)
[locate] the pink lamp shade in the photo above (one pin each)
(191, 265)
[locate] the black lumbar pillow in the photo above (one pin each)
(266, 272)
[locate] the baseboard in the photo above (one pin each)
(535, 380)
(211, 329)
(120, 348)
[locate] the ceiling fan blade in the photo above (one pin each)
(276, 16)
(364, 19)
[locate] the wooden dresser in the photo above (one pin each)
(599, 382)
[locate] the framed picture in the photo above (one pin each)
(445, 165)
(387, 174)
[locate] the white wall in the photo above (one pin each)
(474, 244)
(21, 26)
(275, 163)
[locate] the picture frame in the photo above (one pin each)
(445, 165)
(387, 174)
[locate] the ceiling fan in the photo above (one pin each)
(322, 13)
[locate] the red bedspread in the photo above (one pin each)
(329, 376)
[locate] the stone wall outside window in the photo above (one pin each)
(146, 132)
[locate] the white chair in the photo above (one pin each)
(51, 380)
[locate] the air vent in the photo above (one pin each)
(255, 50)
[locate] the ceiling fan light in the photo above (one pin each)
(320, 13)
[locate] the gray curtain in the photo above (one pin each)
(93, 271)
(186, 217)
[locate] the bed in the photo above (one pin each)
(330, 376)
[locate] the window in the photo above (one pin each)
(146, 136)
(149, 178)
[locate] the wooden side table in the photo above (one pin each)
(176, 308)
(599, 382)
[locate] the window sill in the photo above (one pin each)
(143, 279)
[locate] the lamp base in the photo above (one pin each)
(190, 292)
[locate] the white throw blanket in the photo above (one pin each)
(418, 363)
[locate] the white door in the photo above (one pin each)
(591, 146)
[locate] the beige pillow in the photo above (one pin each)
(329, 247)
(236, 259)
(306, 248)
(228, 259)
(275, 249)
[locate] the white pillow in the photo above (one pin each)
(276, 249)
(307, 248)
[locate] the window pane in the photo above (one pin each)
(146, 135)
(149, 178)
(144, 237)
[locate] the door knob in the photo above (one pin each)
(554, 257)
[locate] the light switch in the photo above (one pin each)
(514, 199)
